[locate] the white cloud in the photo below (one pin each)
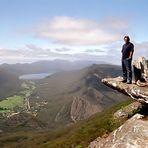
(94, 50)
(62, 49)
(34, 53)
(73, 31)
(111, 53)
(98, 40)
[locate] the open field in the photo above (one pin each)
(11, 102)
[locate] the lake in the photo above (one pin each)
(34, 76)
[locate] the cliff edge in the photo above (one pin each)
(134, 132)
(138, 93)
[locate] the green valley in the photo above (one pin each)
(11, 102)
(19, 101)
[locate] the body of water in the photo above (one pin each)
(34, 76)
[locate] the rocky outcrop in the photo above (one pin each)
(136, 92)
(132, 134)
(128, 111)
(82, 108)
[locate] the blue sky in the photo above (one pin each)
(71, 29)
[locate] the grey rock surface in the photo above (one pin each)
(136, 92)
(128, 111)
(132, 134)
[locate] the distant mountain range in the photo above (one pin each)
(50, 66)
(9, 73)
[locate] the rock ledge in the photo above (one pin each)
(138, 93)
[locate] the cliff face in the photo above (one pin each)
(82, 108)
(132, 134)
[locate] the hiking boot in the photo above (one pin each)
(129, 82)
(124, 81)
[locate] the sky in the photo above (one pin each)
(32, 30)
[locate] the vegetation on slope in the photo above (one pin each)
(9, 84)
(78, 135)
(17, 101)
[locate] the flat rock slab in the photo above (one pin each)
(132, 134)
(138, 93)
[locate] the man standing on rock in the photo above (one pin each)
(127, 54)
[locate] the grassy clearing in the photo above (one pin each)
(11, 102)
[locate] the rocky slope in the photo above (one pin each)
(82, 108)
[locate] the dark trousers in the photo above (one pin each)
(127, 69)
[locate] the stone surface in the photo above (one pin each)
(82, 108)
(132, 134)
(136, 92)
(128, 111)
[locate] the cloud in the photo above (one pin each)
(94, 50)
(111, 53)
(116, 24)
(62, 49)
(32, 53)
(34, 47)
(73, 31)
